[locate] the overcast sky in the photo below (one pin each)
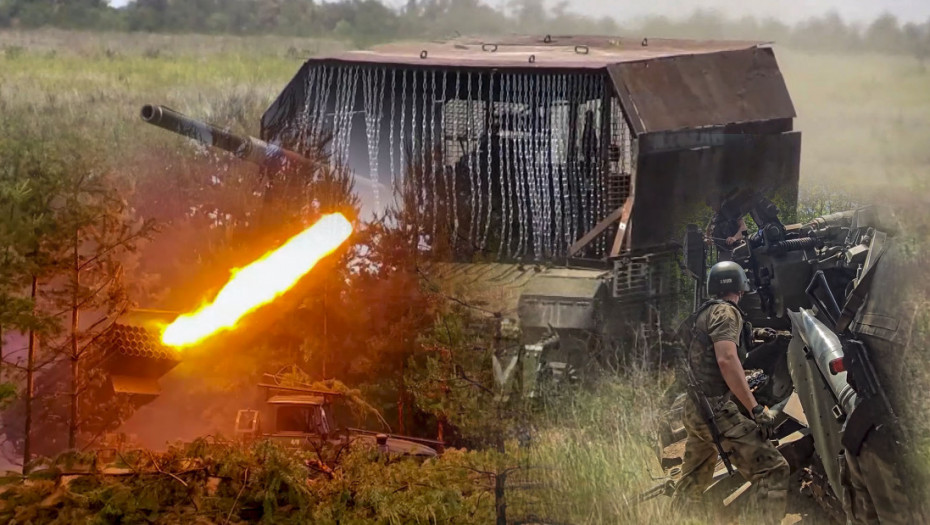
(786, 10)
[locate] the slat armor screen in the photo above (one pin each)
(508, 166)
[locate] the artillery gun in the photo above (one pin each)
(828, 285)
(246, 148)
(547, 176)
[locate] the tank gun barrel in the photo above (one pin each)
(244, 147)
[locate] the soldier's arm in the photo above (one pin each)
(740, 228)
(733, 373)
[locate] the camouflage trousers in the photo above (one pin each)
(756, 459)
(873, 491)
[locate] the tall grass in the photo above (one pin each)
(100, 81)
(865, 118)
(600, 446)
(865, 121)
(600, 453)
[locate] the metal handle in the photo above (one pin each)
(581, 49)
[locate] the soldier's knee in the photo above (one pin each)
(780, 465)
(774, 470)
(782, 471)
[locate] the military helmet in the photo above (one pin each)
(726, 277)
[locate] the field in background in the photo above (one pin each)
(865, 119)
(102, 79)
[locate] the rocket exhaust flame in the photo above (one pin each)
(260, 282)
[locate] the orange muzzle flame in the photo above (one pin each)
(260, 282)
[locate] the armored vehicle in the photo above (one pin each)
(303, 417)
(548, 177)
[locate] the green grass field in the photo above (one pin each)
(102, 80)
(865, 119)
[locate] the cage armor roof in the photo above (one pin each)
(726, 277)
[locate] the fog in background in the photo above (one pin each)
(791, 11)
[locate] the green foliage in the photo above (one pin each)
(591, 454)
(8, 393)
(77, 14)
(69, 225)
(217, 481)
(594, 451)
(31, 177)
(450, 377)
(819, 200)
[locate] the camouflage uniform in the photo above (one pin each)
(756, 459)
(873, 490)
(884, 482)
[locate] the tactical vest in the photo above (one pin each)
(698, 349)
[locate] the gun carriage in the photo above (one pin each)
(819, 285)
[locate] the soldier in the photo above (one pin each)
(715, 353)
(725, 230)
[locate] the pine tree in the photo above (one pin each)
(31, 176)
(69, 229)
(97, 230)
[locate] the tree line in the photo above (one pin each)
(366, 22)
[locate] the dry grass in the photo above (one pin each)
(601, 447)
(865, 119)
(101, 80)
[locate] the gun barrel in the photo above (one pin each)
(244, 147)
